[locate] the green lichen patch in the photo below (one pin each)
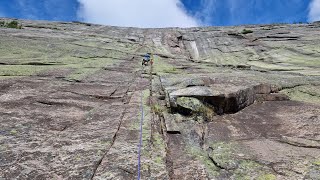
(247, 169)
(160, 65)
(274, 67)
(13, 132)
(224, 155)
(295, 56)
(190, 103)
(202, 156)
(157, 109)
(81, 74)
(307, 93)
(88, 67)
(21, 70)
(196, 107)
(27, 57)
(316, 162)
(267, 177)
(226, 60)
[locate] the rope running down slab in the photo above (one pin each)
(140, 143)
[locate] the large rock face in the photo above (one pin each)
(218, 102)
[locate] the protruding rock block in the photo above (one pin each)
(224, 99)
(227, 97)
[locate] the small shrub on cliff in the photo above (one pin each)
(207, 113)
(246, 31)
(12, 24)
(157, 109)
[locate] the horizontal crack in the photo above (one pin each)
(98, 96)
(30, 63)
(309, 93)
(54, 103)
(297, 144)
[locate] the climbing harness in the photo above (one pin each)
(146, 59)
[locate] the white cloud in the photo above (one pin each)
(136, 13)
(314, 11)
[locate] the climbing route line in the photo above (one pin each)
(142, 113)
(140, 142)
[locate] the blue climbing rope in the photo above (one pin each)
(140, 143)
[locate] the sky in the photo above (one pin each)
(165, 13)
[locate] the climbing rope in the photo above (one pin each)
(140, 143)
(142, 119)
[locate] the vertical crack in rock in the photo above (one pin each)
(163, 130)
(216, 164)
(112, 143)
(127, 98)
(203, 135)
(136, 75)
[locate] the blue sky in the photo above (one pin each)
(235, 12)
(62, 10)
(164, 13)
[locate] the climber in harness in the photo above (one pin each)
(146, 59)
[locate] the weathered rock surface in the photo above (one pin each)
(218, 104)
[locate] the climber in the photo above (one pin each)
(146, 59)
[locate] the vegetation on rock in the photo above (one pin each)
(246, 31)
(12, 24)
